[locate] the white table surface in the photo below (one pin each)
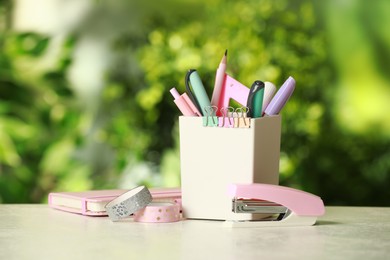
(39, 232)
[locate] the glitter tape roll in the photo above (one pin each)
(128, 203)
(158, 212)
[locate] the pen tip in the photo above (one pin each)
(226, 52)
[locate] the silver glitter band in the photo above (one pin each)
(128, 203)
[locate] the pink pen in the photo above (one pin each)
(184, 103)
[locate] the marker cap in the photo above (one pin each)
(174, 93)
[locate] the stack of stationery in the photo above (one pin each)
(257, 101)
(214, 158)
(225, 175)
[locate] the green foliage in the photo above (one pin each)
(38, 122)
(51, 138)
(267, 41)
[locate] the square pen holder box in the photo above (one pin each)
(212, 158)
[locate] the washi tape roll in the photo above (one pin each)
(128, 203)
(158, 212)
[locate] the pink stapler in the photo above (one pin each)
(281, 205)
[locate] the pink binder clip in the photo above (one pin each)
(283, 206)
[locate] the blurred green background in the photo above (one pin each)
(85, 102)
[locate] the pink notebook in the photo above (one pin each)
(92, 203)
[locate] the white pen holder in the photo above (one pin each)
(213, 157)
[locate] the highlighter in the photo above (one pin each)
(255, 99)
(184, 103)
(197, 91)
(281, 97)
(269, 91)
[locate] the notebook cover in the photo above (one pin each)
(82, 202)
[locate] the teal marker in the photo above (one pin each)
(198, 91)
(255, 99)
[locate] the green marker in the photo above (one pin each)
(255, 99)
(198, 92)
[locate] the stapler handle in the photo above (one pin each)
(300, 202)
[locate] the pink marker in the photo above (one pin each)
(184, 103)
